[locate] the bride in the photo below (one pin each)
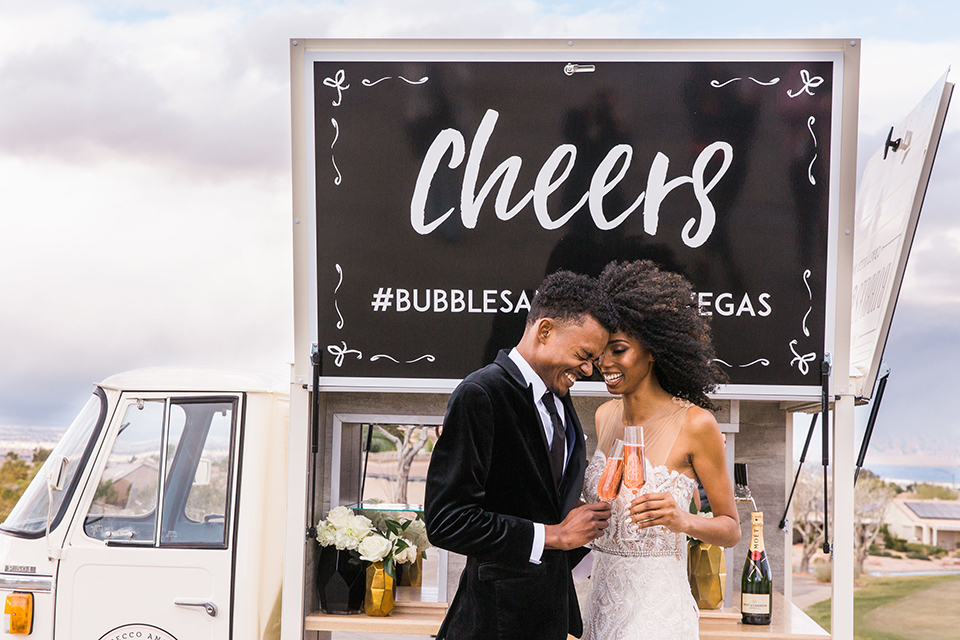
(660, 363)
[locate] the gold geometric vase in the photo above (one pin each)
(378, 600)
(707, 569)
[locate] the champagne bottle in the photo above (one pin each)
(756, 584)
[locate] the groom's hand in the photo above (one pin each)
(583, 524)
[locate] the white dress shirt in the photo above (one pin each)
(540, 388)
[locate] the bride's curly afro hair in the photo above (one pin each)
(657, 308)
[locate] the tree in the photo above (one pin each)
(808, 513)
(15, 474)
(925, 491)
(871, 497)
(409, 441)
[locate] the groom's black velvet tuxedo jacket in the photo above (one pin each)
(489, 481)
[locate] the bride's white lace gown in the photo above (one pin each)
(638, 585)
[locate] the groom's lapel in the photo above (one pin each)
(532, 428)
(571, 486)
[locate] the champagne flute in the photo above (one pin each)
(633, 461)
(609, 485)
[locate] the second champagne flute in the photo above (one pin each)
(609, 485)
(633, 464)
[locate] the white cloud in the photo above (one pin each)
(895, 75)
(145, 162)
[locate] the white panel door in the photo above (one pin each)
(151, 551)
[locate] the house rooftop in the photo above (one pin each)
(935, 510)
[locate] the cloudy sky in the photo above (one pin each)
(145, 177)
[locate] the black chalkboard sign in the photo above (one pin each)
(446, 190)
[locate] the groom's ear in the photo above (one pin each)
(544, 326)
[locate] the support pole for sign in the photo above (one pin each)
(844, 443)
(825, 433)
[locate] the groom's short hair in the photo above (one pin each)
(568, 297)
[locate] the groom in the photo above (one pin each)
(507, 472)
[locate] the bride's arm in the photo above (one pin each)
(708, 457)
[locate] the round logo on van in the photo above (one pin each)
(137, 632)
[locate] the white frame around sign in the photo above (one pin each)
(547, 51)
(842, 200)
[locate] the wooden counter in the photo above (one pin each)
(409, 616)
(422, 618)
(789, 623)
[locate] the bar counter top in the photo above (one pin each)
(421, 618)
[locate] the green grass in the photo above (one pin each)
(901, 608)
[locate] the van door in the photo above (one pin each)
(152, 549)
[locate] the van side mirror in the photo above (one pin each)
(57, 472)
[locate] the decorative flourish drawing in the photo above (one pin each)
(339, 178)
(761, 361)
(802, 361)
(810, 177)
(808, 82)
(369, 83)
(342, 351)
(336, 304)
(717, 84)
(427, 357)
(336, 136)
(336, 82)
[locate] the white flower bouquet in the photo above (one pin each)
(378, 538)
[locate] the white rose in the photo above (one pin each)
(340, 517)
(414, 530)
(345, 540)
(325, 535)
(422, 542)
(407, 556)
(361, 526)
(374, 548)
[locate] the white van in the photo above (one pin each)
(158, 516)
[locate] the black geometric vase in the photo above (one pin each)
(341, 580)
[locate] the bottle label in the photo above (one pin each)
(755, 604)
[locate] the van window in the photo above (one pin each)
(29, 516)
(198, 473)
(176, 453)
(125, 503)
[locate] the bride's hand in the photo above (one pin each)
(652, 509)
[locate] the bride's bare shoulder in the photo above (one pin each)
(701, 425)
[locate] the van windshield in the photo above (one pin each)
(29, 516)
